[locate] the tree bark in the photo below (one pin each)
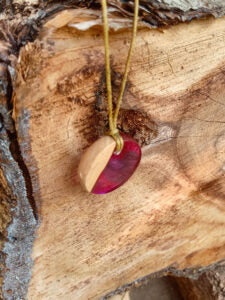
(170, 215)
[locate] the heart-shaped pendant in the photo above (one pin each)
(102, 171)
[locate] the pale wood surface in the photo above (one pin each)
(94, 161)
(171, 212)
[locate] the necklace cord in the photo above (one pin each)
(114, 132)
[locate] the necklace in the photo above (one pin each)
(111, 160)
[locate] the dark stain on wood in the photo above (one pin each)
(132, 122)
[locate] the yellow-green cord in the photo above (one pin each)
(113, 119)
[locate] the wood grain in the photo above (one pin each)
(171, 212)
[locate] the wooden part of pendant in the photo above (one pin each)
(94, 161)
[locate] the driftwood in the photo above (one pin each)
(170, 215)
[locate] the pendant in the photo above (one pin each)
(101, 170)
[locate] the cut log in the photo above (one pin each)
(20, 23)
(171, 212)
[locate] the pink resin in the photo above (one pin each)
(119, 168)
